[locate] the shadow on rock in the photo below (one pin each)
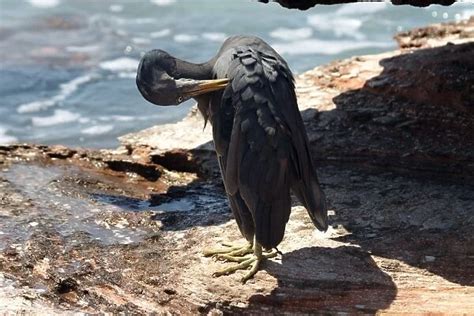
(444, 253)
(343, 279)
(416, 115)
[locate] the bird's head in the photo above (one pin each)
(159, 81)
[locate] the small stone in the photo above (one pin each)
(430, 258)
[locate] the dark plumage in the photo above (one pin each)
(258, 132)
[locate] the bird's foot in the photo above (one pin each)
(229, 252)
(250, 261)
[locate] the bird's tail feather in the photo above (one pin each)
(314, 200)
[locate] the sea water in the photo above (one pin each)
(67, 67)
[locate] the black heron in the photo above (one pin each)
(247, 93)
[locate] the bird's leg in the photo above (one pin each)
(251, 261)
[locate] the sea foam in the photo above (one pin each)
(361, 8)
(184, 38)
(288, 34)
(163, 2)
(162, 33)
(6, 139)
(316, 46)
(216, 37)
(65, 90)
(120, 64)
(59, 117)
(44, 3)
(347, 20)
(339, 25)
(97, 129)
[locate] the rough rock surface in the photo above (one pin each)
(123, 230)
(306, 4)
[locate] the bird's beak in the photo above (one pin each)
(193, 88)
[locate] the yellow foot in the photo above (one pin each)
(248, 257)
(230, 252)
(251, 262)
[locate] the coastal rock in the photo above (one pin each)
(122, 231)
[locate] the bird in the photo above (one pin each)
(247, 93)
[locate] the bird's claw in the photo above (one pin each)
(251, 262)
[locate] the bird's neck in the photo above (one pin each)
(189, 70)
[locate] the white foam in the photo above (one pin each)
(163, 2)
(59, 117)
(127, 75)
(361, 8)
(340, 25)
(466, 14)
(122, 118)
(141, 41)
(44, 3)
(120, 64)
(315, 46)
(184, 38)
(162, 33)
(6, 139)
(138, 21)
(82, 49)
(65, 90)
(287, 34)
(116, 8)
(84, 120)
(97, 129)
(216, 37)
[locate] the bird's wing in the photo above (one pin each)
(268, 150)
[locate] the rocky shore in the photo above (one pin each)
(123, 230)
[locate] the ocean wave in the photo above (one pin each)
(120, 64)
(59, 117)
(315, 46)
(163, 2)
(66, 89)
(44, 3)
(466, 14)
(116, 8)
(127, 75)
(216, 37)
(82, 49)
(291, 34)
(141, 40)
(97, 129)
(162, 33)
(6, 139)
(119, 118)
(361, 8)
(347, 20)
(185, 38)
(339, 25)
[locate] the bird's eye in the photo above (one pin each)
(180, 99)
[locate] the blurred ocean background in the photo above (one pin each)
(67, 67)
